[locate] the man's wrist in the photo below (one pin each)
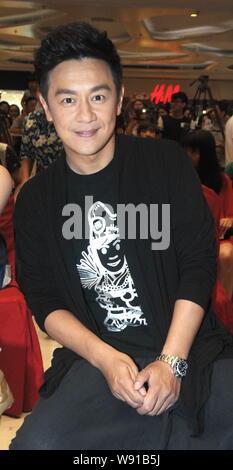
(103, 354)
(179, 365)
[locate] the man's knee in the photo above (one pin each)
(27, 439)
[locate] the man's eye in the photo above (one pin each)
(68, 100)
(98, 98)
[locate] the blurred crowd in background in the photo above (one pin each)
(30, 144)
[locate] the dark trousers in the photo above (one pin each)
(83, 414)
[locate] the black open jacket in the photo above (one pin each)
(149, 171)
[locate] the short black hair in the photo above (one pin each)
(180, 95)
(76, 41)
(5, 102)
(145, 126)
(16, 106)
(224, 106)
(30, 98)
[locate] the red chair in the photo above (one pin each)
(20, 358)
(222, 305)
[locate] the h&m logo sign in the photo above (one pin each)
(161, 93)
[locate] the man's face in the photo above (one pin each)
(14, 112)
(162, 112)
(147, 133)
(4, 108)
(30, 106)
(138, 105)
(82, 104)
(177, 105)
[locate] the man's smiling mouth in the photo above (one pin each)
(88, 133)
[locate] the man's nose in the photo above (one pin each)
(85, 112)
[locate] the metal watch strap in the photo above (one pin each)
(167, 358)
(178, 365)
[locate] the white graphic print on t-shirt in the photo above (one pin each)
(104, 268)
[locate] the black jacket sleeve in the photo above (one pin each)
(192, 229)
(35, 273)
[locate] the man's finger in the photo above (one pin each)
(143, 391)
(150, 402)
(133, 395)
(141, 378)
(166, 405)
(127, 391)
(162, 404)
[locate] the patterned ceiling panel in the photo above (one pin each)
(150, 35)
(204, 48)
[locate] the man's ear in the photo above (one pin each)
(120, 101)
(45, 107)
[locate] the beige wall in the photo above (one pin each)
(220, 89)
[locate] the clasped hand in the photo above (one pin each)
(128, 384)
(163, 388)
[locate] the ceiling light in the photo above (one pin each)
(194, 14)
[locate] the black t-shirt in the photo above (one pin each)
(105, 277)
(175, 129)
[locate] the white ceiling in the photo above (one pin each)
(152, 37)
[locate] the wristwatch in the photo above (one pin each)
(178, 365)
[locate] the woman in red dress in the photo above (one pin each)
(200, 146)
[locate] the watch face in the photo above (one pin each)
(181, 367)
